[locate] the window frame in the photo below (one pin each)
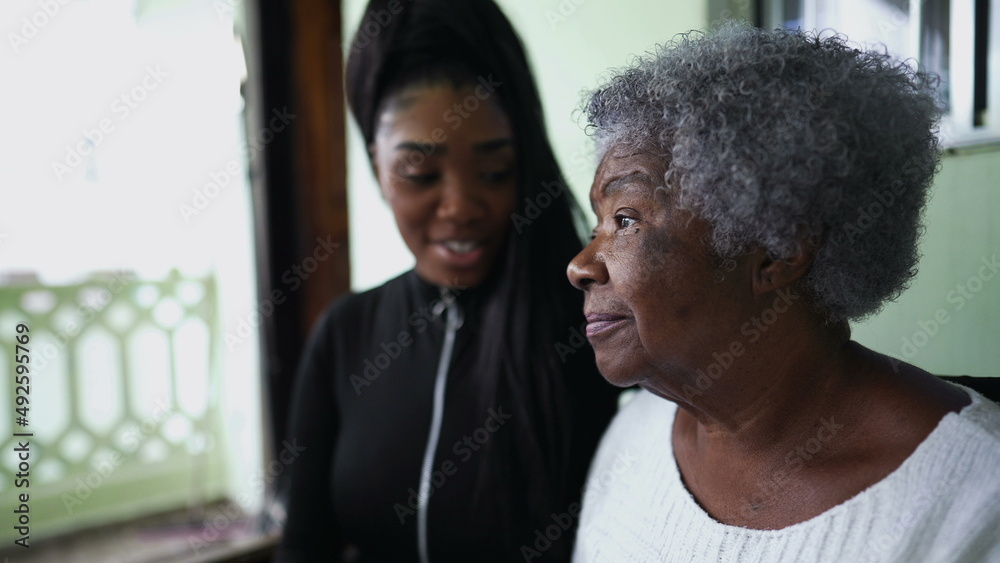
(958, 127)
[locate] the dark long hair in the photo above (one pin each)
(532, 306)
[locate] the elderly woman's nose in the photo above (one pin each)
(586, 269)
(460, 202)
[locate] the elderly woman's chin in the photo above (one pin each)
(616, 362)
(615, 370)
(628, 366)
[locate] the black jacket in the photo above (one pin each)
(362, 410)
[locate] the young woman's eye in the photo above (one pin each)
(420, 179)
(496, 175)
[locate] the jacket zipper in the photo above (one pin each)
(452, 324)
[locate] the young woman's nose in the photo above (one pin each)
(460, 201)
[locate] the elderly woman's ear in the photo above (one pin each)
(771, 274)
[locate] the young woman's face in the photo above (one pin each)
(446, 163)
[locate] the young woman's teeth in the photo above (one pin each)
(460, 246)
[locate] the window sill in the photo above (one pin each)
(174, 536)
(973, 147)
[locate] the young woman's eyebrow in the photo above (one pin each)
(492, 145)
(426, 148)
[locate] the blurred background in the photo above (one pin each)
(182, 193)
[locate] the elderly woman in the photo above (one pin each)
(756, 192)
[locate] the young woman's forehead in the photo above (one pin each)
(439, 114)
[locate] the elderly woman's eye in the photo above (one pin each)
(624, 222)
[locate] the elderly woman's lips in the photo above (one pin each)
(598, 323)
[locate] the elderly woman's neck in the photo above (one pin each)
(788, 385)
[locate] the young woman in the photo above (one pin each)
(451, 413)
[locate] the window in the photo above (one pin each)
(957, 39)
(126, 247)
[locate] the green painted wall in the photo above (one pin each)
(949, 321)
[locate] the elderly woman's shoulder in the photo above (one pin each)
(961, 456)
(981, 417)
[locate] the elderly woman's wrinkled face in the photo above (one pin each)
(449, 174)
(654, 301)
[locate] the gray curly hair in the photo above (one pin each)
(780, 138)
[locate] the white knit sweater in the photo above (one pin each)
(941, 504)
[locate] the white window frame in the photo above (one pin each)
(957, 126)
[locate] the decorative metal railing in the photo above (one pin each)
(123, 411)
